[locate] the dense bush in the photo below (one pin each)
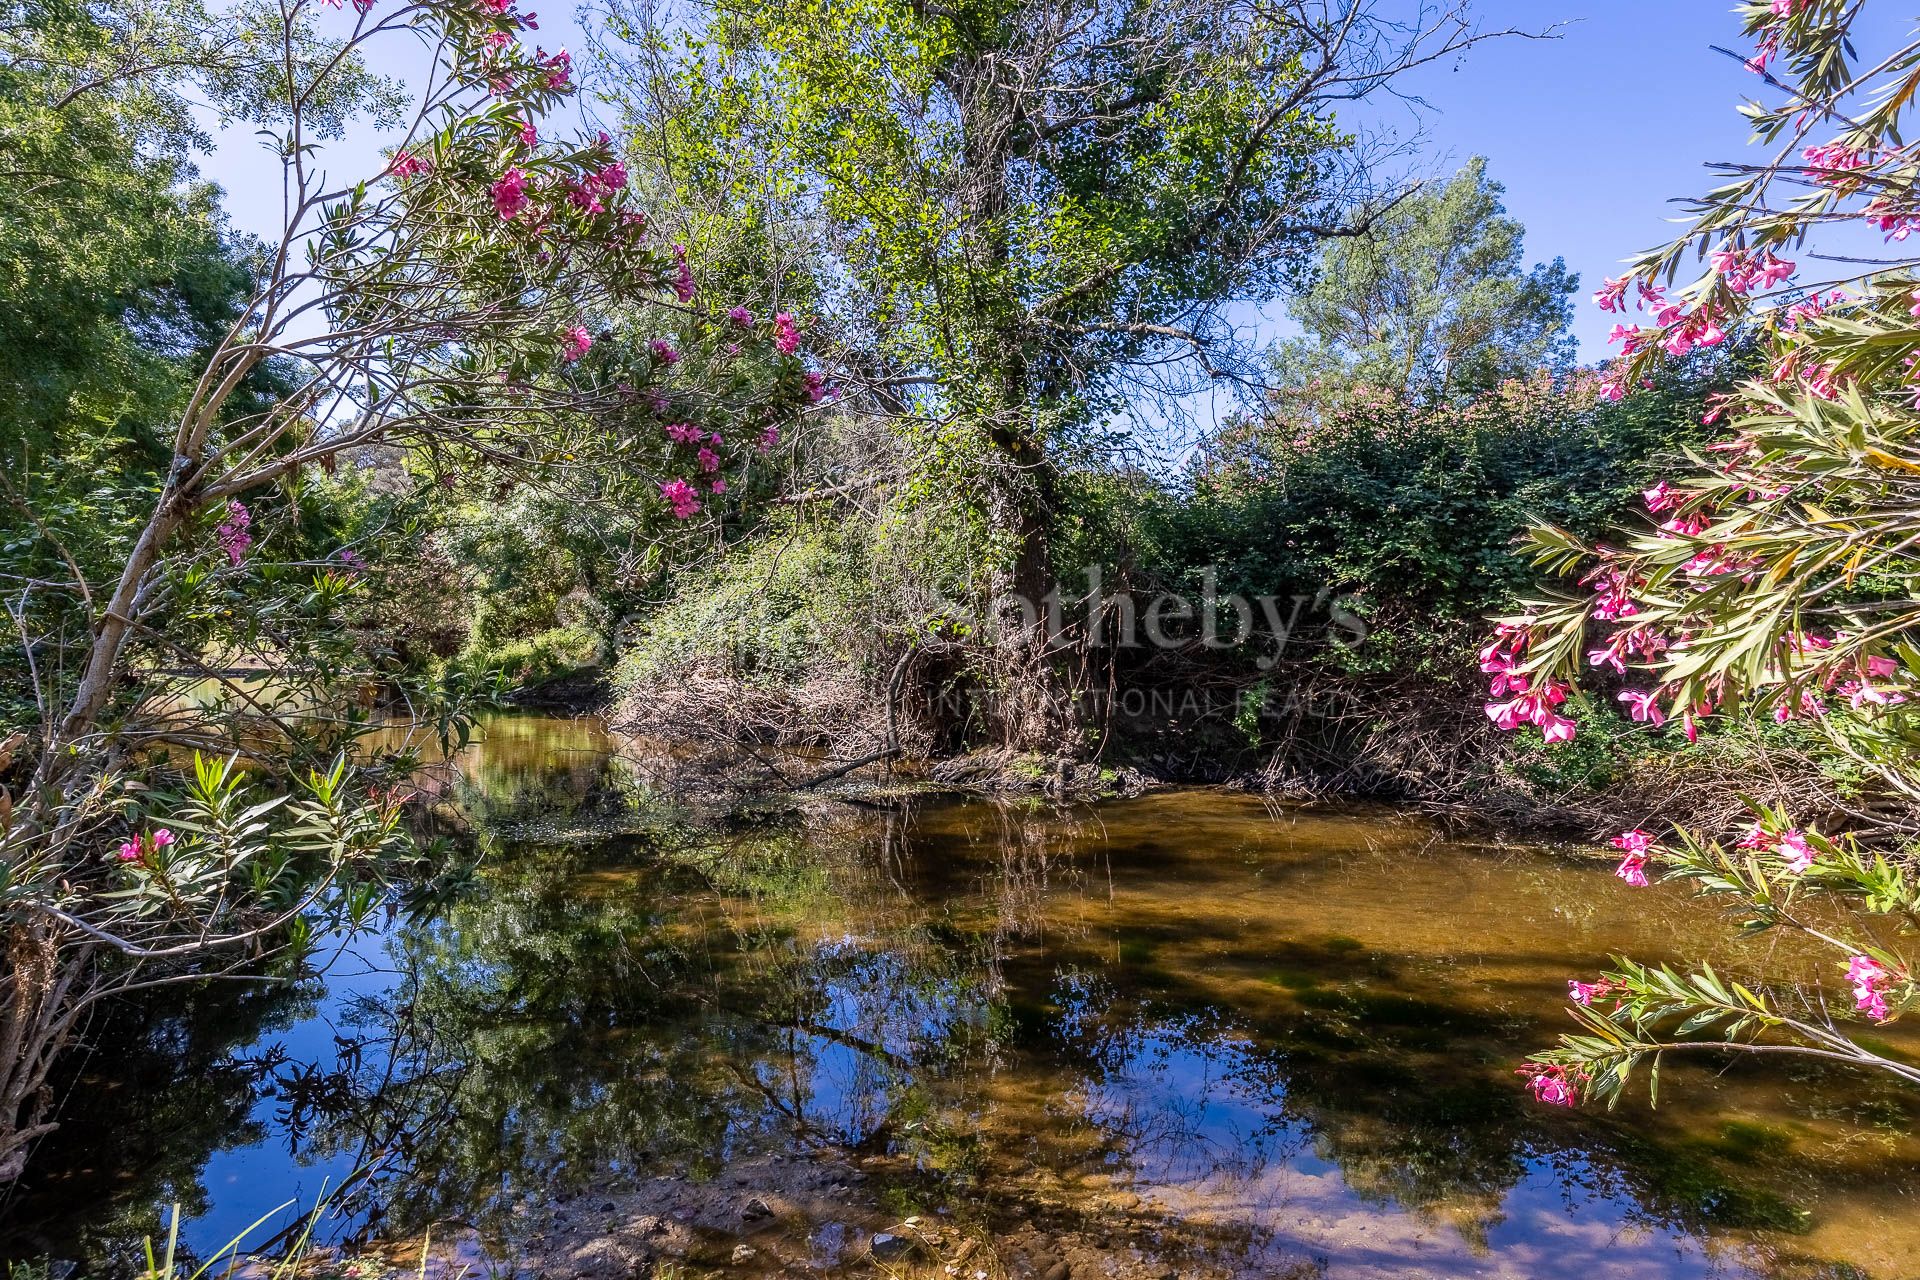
(1414, 510)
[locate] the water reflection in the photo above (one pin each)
(1241, 1040)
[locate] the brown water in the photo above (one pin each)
(1207, 1034)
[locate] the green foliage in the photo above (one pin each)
(786, 607)
(1780, 579)
(534, 659)
(1412, 509)
(1432, 301)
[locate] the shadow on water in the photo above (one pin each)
(1244, 1039)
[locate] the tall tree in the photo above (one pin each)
(1433, 300)
(1018, 216)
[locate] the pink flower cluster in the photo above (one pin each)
(558, 66)
(140, 848)
(664, 352)
(1614, 590)
(1870, 981)
(682, 276)
(1832, 164)
(406, 164)
(598, 187)
(510, 194)
(1744, 272)
(1585, 993)
(786, 336)
(1525, 703)
(682, 496)
(1552, 1084)
(575, 342)
(235, 533)
(1635, 844)
(1790, 844)
(1895, 225)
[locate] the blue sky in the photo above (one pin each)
(1591, 132)
(1594, 131)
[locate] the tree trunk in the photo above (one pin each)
(37, 1007)
(1029, 700)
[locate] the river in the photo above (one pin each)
(1191, 1034)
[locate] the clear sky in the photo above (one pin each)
(1591, 132)
(1594, 131)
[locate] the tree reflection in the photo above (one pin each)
(974, 993)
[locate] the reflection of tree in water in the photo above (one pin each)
(627, 1005)
(574, 1019)
(154, 1092)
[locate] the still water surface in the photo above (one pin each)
(1241, 1037)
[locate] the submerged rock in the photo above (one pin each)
(889, 1246)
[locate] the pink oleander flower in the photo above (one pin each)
(1800, 858)
(683, 497)
(558, 66)
(1870, 979)
(786, 337)
(683, 287)
(235, 533)
(1661, 497)
(1644, 708)
(584, 198)
(406, 165)
(816, 386)
(664, 352)
(1554, 1085)
(682, 433)
(1831, 164)
(741, 317)
(718, 485)
(1556, 729)
(140, 848)
(709, 460)
(510, 194)
(1585, 993)
(1634, 841)
(1861, 694)
(1820, 381)
(575, 342)
(1614, 591)
(769, 439)
(1612, 296)
(1633, 867)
